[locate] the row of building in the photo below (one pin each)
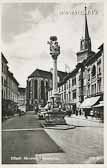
(83, 87)
(11, 93)
(85, 82)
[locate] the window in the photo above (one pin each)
(2, 81)
(84, 90)
(65, 86)
(69, 83)
(99, 86)
(74, 81)
(2, 67)
(74, 94)
(93, 91)
(99, 67)
(42, 90)
(35, 89)
(88, 77)
(80, 91)
(47, 85)
(88, 90)
(64, 95)
(5, 82)
(93, 73)
(69, 96)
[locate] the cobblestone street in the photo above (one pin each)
(24, 137)
(80, 144)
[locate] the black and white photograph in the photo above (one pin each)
(52, 83)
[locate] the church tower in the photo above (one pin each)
(85, 43)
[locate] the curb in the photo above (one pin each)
(58, 127)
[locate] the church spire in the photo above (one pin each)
(86, 41)
(86, 25)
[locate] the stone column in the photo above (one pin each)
(54, 52)
(55, 87)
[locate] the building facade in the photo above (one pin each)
(9, 89)
(22, 99)
(87, 79)
(38, 85)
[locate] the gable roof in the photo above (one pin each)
(11, 75)
(47, 74)
(41, 73)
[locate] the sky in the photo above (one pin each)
(26, 28)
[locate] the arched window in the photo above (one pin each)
(42, 90)
(47, 87)
(36, 89)
(93, 73)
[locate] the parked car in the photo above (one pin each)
(41, 114)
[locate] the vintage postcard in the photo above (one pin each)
(52, 83)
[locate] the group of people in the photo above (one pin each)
(68, 110)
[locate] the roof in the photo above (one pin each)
(101, 46)
(11, 75)
(72, 73)
(86, 27)
(62, 75)
(89, 60)
(41, 73)
(46, 74)
(3, 58)
(99, 105)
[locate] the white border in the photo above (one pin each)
(105, 91)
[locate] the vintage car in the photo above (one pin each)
(41, 113)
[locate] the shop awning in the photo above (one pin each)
(89, 102)
(99, 105)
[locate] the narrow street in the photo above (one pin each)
(24, 141)
(23, 138)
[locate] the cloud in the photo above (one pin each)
(28, 30)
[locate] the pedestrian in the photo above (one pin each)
(76, 112)
(92, 113)
(19, 112)
(80, 112)
(60, 108)
(86, 114)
